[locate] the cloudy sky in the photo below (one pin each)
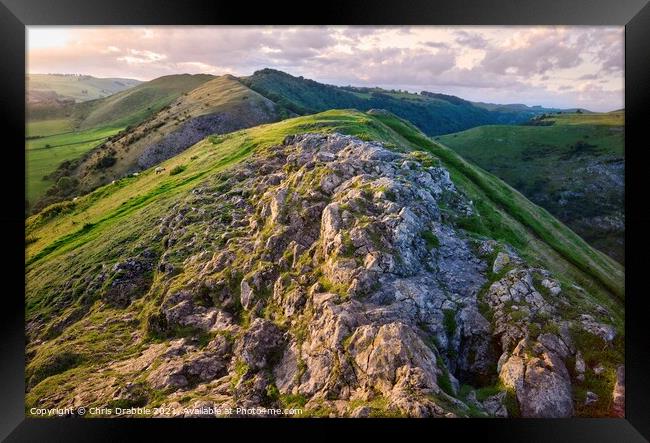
(549, 66)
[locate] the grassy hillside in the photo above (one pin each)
(121, 109)
(219, 105)
(44, 154)
(128, 209)
(44, 128)
(66, 131)
(433, 113)
(72, 242)
(136, 104)
(571, 164)
(79, 88)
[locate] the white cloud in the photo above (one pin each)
(141, 56)
(562, 66)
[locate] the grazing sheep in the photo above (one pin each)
(135, 174)
(159, 170)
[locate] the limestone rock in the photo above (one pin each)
(500, 262)
(580, 367)
(541, 383)
(130, 279)
(495, 406)
(590, 398)
(335, 272)
(604, 331)
(261, 344)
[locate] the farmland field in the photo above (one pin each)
(44, 154)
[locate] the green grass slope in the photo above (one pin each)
(571, 164)
(433, 113)
(219, 105)
(123, 108)
(58, 132)
(45, 153)
(77, 87)
(71, 230)
(136, 104)
(70, 242)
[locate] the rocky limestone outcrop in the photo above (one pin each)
(331, 273)
(197, 128)
(540, 380)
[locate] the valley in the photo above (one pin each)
(570, 164)
(170, 113)
(433, 113)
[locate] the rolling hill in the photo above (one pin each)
(136, 104)
(132, 114)
(60, 134)
(120, 109)
(570, 164)
(218, 106)
(79, 88)
(432, 113)
(341, 263)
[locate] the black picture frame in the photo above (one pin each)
(15, 15)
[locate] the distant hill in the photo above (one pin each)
(61, 131)
(152, 121)
(432, 113)
(217, 106)
(570, 164)
(134, 105)
(521, 109)
(120, 109)
(48, 89)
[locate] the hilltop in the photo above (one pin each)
(128, 126)
(52, 89)
(572, 164)
(432, 113)
(136, 104)
(342, 263)
(59, 134)
(219, 105)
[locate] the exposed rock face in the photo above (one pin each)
(130, 279)
(501, 261)
(604, 331)
(494, 405)
(200, 127)
(260, 344)
(324, 269)
(533, 368)
(185, 365)
(540, 380)
(602, 222)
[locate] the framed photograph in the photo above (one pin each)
(398, 218)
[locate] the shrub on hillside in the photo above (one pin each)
(65, 184)
(177, 169)
(106, 162)
(580, 147)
